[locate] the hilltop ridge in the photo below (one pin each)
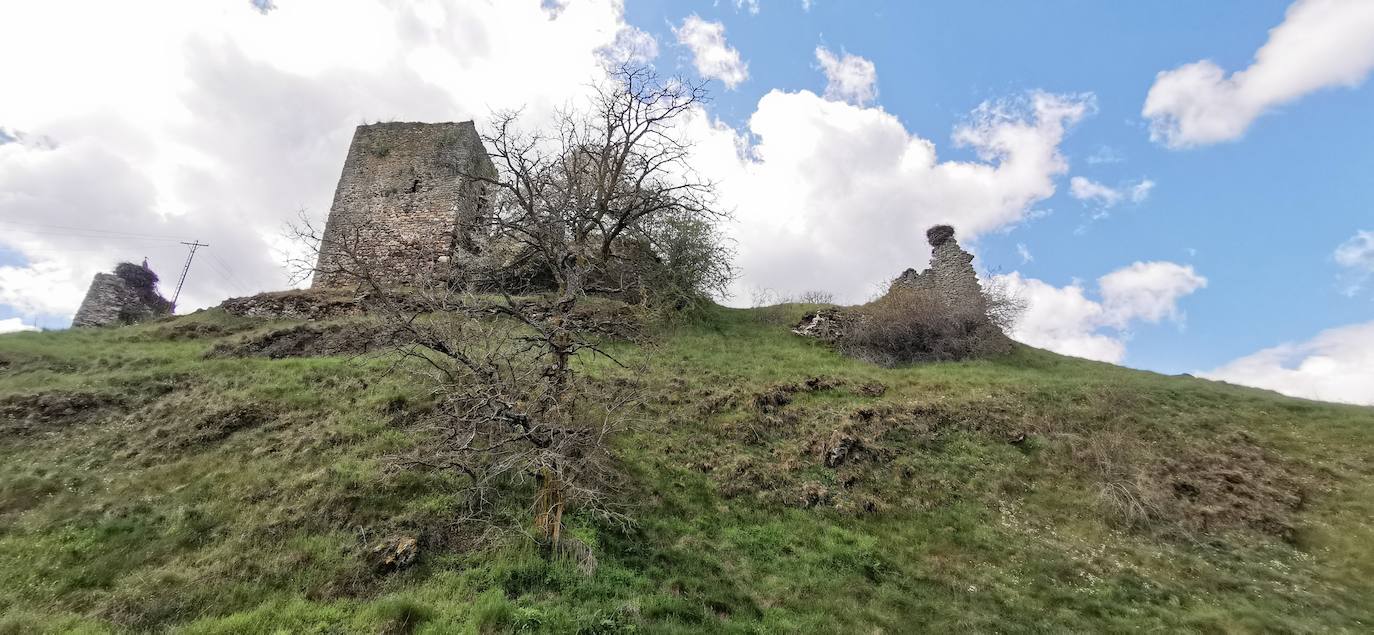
(771, 484)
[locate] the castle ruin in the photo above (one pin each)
(950, 280)
(404, 203)
(127, 296)
(951, 277)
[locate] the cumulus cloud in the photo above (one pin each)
(1147, 291)
(1065, 320)
(837, 197)
(15, 325)
(1085, 189)
(1321, 43)
(631, 46)
(1356, 255)
(1336, 365)
(712, 56)
(251, 118)
(222, 121)
(848, 77)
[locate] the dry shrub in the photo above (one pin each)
(911, 324)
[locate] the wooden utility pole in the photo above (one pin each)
(195, 244)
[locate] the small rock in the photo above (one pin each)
(395, 553)
(872, 389)
(838, 449)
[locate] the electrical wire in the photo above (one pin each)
(92, 230)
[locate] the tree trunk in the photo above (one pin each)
(548, 508)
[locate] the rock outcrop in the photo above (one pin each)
(127, 296)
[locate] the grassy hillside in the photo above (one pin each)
(145, 486)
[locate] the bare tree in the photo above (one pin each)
(604, 201)
(607, 198)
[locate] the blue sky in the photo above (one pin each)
(1231, 246)
(1259, 217)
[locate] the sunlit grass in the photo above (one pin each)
(150, 514)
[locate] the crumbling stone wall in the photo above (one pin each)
(127, 296)
(950, 277)
(402, 205)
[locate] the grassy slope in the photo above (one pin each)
(233, 495)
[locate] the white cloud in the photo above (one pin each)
(214, 120)
(1356, 255)
(1336, 365)
(848, 77)
(1062, 319)
(1358, 252)
(1065, 320)
(1321, 43)
(752, 6)
(222, 121)
(837, 197)
(15, 325)
(631, 46)
(1105, 154)
(1085, 189)
(1104, 196)
(1141, 190)
(712, 56)
(1024, 252)
(1147, 291)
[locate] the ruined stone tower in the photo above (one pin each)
(127, 296)
(402, 203)
(950, 277)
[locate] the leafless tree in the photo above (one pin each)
(604, 201)
(1004, 304)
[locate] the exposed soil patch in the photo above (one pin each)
(858, 450)
(872, 458)
(872, 389)
(1233, 483)
(774, 397)
(219, 425)
(28, 414)
(305, 304)
(312, 340)
(196, 330)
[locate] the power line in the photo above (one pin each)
(106, 237)
(217, 263)
(82, 231)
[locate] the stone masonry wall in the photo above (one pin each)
(111, 300)
(402, 203)
(950, 276)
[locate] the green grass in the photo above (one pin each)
(219, 495)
